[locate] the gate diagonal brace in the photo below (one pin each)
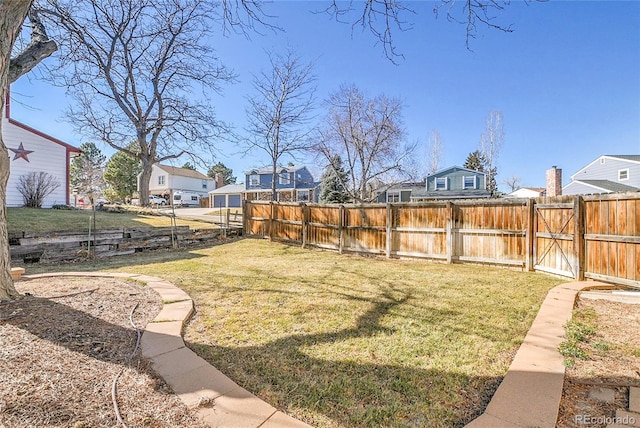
(554, 239)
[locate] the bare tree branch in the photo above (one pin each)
(140, 70)
(367, 133)
(279, 113)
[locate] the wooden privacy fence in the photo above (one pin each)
(579, 237)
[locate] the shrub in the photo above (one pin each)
(35, 186)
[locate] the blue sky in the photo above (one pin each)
(567, 81)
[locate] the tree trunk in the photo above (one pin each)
(274, 174)
(12, 15)
(145, 177)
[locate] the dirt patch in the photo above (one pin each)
(62, 346)
(596, 387)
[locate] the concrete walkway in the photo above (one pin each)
(216, 399)
(530, 393)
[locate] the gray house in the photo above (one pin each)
(229, 196)
(294, 184)
(454, 182)
(606, 174)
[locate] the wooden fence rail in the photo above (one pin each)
(579, 237)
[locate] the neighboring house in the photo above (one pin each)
(606, 174)
(401, 192)
(167, 180)
(527, 192)
(229, 196)
(454, 182)
(33, 151)
(294, 184)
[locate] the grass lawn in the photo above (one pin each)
(43, 220)
(347, 341)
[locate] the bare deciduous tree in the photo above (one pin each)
(280, 112)
(384, 17)
(35, 187)
(140, 70)
(12, 15)
(434, 152)
(513, 183)
(491, 142)
(368, 134)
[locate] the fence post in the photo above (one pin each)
(341, 229)
(578, 237)
(305, 220)
(530, 235)
(226, 222)
(450, 220)
(389, 230)
(270, 220)
(244, 217)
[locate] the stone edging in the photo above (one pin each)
(216, 399)
(530, 393)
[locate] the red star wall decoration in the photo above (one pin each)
(21, 153)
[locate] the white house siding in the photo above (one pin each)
(524, 193)
(46, 156)
(597, 170)
(192, 184)
(177, 183)
(154, 187)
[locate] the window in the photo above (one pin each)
(284, 178)
(469, 182)
(393, 196)
(161, 180)
(254, 180)
(204, 184)
(194, 198)
(623, 174)
(441, 183)
(303, 195)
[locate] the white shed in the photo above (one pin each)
(33, 151)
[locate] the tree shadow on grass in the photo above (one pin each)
(347, 391)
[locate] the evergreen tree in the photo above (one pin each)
(121, 174)
(87, 172)
(475, 161)
(227, 173)
(189, 165)
(332, 183)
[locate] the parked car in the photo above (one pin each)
(157, 200)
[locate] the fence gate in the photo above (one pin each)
(554, 249)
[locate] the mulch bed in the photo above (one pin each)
(613, 364)
(64, 344)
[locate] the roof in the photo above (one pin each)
(7, 115)
(229, 188)
(451, 194)
(269, 170)
(608, 186)
(633, 158)
(458, 168)
(183, 172)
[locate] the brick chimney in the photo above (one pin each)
(554, 181)
(219, 180)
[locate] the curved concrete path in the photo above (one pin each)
(530, 393)
(216, 399)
